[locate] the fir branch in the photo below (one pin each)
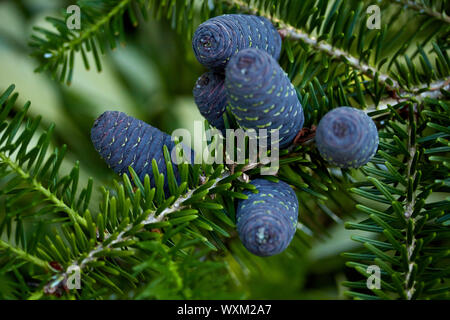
(178, 204)
(150, 218)
(24, 255)
(122, 216)
(102, 25)
(55, 48)
(409, 209)
(93, 29)
(395, 164)
(418, 95)
(338, 54)
(37, 186)
(411, 219)
(424, 9)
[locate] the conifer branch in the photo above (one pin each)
(24, 255)
(409, 209)
(178, 204)
(394, 177)
(37, 186)
(338, 54)
(89, 32)
(418, 95)
(123, 236)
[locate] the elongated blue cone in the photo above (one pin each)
(261, 95)
(267, 221)
(124, 141)
(210, 97)
(347, 137)
(216, 40)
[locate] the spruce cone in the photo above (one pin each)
(216, 40)
(210, 97)
(267, 221)
(124, 141)
(347, 137)
(261, 95)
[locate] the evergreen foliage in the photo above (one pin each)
(143, 243)
(267, 221)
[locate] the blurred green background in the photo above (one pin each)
(151, 78)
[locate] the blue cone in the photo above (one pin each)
(347, 137)
(267, 221)
(124, 141)
(216, 40)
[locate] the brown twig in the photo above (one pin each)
(305, 135)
